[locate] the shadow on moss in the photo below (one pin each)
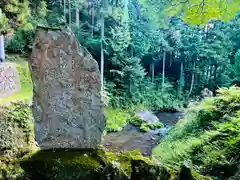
(91, 164)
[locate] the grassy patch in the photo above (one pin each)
(116, 119)
(209, 136)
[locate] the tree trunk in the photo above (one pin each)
(69, 12)
(153, 71)
(163, 69)
(209, 74)
(2, 49)
(93, 16)
(215, 73)
(192, 81)
(64, 9)
(181, 81)
(77, 17)
(125, 12)
(60, 2)
(170, 59)
(208, 71)
(102, 52)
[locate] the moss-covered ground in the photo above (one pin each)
(88, 164)
(208, 136)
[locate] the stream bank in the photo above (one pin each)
(130, 138)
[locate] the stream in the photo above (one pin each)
(130, 138)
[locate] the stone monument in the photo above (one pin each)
(67, 106)
(9, 80)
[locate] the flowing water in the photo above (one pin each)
(130, 138)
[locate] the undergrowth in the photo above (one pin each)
(116, 119)
(208, 135)
(17, 138)
(148, 95)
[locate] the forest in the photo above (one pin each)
(144, 53)
(156, 55)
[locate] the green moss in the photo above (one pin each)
(91, 164)
(157, 125)
(116, 119)
(62, 165)
(135, 120)
(145, 127)
(49, 28)
(16, 128)
(17, 139)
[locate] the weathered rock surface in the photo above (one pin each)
(9, 80)
(147, 116)
(67, 106)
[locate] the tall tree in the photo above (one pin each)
(17, 11)
(69, 12)
(163, 69)
(2, 49)
(104, 10)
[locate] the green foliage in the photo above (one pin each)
(116, 119)
(16, 11)
(208, 135)
(21, 114)
(17, 138)
(147, 95)
(200, 12)
(119, 118)
(133, 42)
(22, 41)
(136, 121)
(3, 22)
(145, 127)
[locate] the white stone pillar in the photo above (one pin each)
(2, 51)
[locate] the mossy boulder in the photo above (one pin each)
(143, 125)
(187, 173)
(135, 120)
(142, 171)
(91, 164)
